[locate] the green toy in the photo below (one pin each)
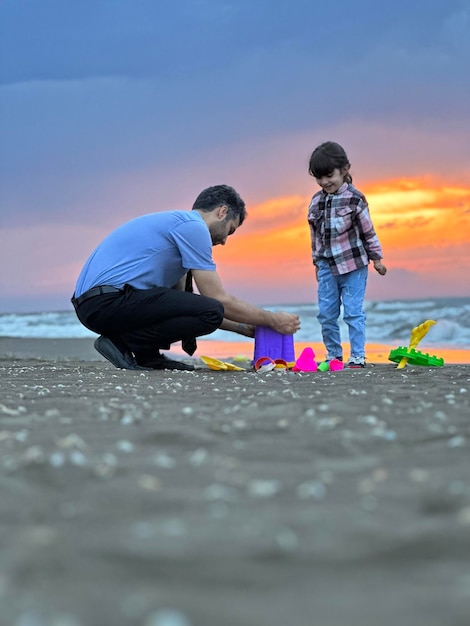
(415, 357)
(403, 355)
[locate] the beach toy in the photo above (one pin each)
(417, 334)
(266, 364)
(414, 357)
(281, 364)
(331, 366)
(240, 358)
(402, 355)
(270, 343)
(215, 364)
(336, 365)
(306, 361)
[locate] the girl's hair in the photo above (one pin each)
(328, 157)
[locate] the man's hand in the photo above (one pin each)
(380, 267)
(209, 284)
(285, 323)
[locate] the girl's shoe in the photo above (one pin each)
(356, 362)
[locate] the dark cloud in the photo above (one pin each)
(69, 40)
(96, 90)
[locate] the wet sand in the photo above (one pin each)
(231, 498)
(82, 349)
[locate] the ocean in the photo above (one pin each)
(388, 322)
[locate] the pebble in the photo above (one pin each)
(164, 460)
(311, 489)
(217, 491)
(149, 482)
(456, 442)
(198, 457)
(263, 488)
(167, 617)
(77, 458)
(125, 446)
(57, 459)
(287, 540)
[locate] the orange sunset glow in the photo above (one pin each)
(423, 225)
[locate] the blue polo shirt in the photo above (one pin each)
(154, 250)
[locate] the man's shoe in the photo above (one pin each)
(356, 363)
(110, 351)
(161, 362)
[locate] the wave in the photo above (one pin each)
(388, 322)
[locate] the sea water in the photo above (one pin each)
(388, 322)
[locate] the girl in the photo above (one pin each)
(343, 243)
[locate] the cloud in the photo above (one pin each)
(426, 255)
(49, 261)
(62, 40)
(108, 112)
(416, 214)
(268, 260)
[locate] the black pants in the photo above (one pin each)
(147, 320)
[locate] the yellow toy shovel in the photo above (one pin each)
(215, 364)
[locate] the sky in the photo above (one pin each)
(113, 109)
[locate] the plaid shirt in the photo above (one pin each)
(341, 230)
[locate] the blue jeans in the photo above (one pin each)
(348, 290)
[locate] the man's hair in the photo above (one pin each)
(221, 195)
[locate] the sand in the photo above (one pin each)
(82, 349)
(231, 498)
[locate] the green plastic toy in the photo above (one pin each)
(410, 355)
(415, 357)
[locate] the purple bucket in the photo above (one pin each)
(269, 342)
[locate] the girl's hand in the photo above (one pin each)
(380, 267)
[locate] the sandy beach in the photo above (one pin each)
(206, 498)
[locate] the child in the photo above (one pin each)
(343, 242)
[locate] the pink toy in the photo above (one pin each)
(336, 365)
(330, 366)
(306, 361)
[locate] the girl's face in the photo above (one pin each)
(333, 180)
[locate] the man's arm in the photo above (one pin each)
(248, 330)
(209, 284)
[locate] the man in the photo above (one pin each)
(131, 290)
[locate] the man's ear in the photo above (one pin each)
(221, 212)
